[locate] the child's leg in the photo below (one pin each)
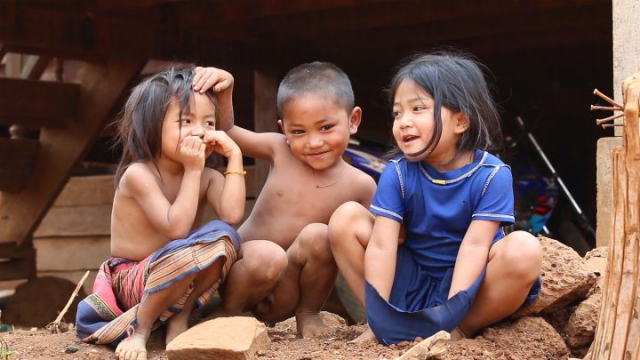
(205, 279)
(514, 265)
(149, 311)
(349, 233)
(307, 282)
(260, 265)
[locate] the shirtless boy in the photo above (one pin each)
(285, 266)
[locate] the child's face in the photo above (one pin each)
(200, 119)
(318, 129)
(414, 125)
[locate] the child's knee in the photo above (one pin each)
(266, 266)
(343, 220)
(523, 257)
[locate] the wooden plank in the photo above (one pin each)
(17, 161)
(87, 190)
(71, 253)
(88, 220)
(61, 150)
(21, 263)
(84, 36)
(41, 100)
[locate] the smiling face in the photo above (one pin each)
(414, 125)
(178, 123)
(318, 129)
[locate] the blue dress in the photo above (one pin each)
(436, 210)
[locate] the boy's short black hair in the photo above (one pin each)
(320, 78)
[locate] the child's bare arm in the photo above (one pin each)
(380, 255)
(221, 82)
(473, 254)
(227, 196)
(256, 145)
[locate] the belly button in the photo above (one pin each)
(280, 193)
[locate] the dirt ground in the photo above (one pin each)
(41, 344)
(530, 344)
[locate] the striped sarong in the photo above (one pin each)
(109, 313)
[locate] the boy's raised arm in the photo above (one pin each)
(252, 144)
(221, 82)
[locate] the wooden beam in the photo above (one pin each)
(42, 103)
(17, 161)
(88, 36)
(17, 263)
(61, 150)
(389, 14)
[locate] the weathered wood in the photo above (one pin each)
(626, 45)
(87, 190)
(17, 161)
(618, 331)
(71, 253)
(40, 103)
(21, 263)
(61, 150)
(76, 221)
(265, 116)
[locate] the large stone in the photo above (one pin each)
(565, 279)
(230, 338)
(582, 324)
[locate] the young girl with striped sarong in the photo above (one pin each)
(163, 265)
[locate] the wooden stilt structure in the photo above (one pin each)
(617, 335)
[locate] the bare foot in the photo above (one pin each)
(457, 334)
(311, 325)
(367, 335)
(133, 348)
(176, 325)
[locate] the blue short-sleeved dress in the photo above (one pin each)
(436, 210)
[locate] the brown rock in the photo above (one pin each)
(523, 337)
(582, 324)
(431, 348)
(230, 338)
(565, 279)
(38, 302)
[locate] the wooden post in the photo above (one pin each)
(265, 116)
(618, 331)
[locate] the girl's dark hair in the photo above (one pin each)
(455, 81)
(139, 129)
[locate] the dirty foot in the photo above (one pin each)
(367, 335)
(311, 325)
(457, 334)
(133, 348)
(176, 325)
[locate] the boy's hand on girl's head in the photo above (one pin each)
(219, 142)
(191, 152)
(206, 78)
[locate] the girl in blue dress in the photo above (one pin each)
(431, 253)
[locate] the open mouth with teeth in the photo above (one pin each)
(409, 138)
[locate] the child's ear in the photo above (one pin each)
(282, 128)
(354, 120)
(462, 122)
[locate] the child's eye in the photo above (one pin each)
(327, 127)
(395, 114)
(185, 121)
(297, 132)
(419, 108)
(210, 124)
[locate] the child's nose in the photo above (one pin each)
(315, 140)
(198, 131)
